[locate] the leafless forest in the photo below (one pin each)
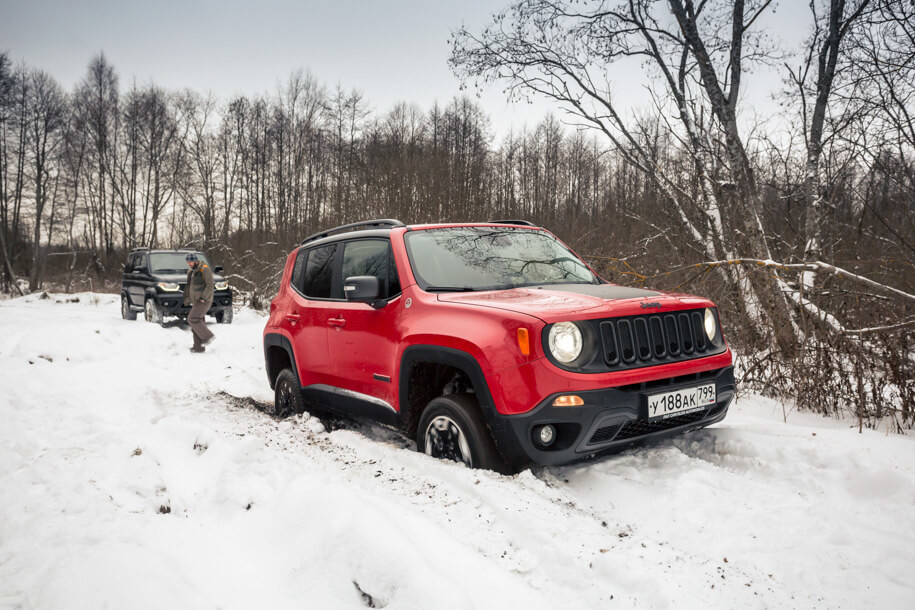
(802, 228)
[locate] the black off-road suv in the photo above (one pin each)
(153, 282)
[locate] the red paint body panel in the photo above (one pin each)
(371, 342)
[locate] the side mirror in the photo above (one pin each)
(217, 269)
(363, 289)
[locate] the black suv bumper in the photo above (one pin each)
(610, 420)
(172, 303)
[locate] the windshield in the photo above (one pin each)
(171, 262)
(491, 258)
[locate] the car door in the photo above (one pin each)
(138, 279)
(363, 340)
(305, 318)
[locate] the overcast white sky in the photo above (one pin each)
(392, 50)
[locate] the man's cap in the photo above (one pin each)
(191, 257)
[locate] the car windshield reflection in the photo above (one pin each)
(467, 259)
(172, 262)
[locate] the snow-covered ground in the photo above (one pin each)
(134, 474)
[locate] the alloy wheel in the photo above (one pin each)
(445, 440)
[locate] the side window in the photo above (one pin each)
(140, 262)
(319, 272)
(298, 271)
(128, 266)
(371, 257)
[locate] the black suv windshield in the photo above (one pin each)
(491, 258)
(171, 262)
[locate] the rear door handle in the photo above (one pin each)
(336, 322)
(293, 317)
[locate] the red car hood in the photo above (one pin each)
(559, 302)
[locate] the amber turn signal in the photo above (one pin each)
(524, 341)
(569, 400)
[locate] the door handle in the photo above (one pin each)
(293, 317)
(336, 322)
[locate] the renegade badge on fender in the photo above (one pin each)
(491, 344)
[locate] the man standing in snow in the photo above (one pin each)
(198, 292)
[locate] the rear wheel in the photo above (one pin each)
(224, 316)
(287, 397)
(452, 428)
(126, 312)
(151, 312)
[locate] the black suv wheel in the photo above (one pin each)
(126, 312)
(224, 316)
(152, 313)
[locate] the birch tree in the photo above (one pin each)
(696, 56)
(825, 60)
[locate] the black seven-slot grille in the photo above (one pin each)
(655, 339)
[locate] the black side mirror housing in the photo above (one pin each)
(363, 289)
(217, 269)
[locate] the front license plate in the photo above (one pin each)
(682, 401)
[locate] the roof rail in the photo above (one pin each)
(524, 223)
(138, 248)
(383, 223)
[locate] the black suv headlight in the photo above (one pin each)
(222, 285)
(169, 287)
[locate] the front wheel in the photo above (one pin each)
(224, 316)
(287, 397)
(126, 312)
(452, 428)
(152, 313)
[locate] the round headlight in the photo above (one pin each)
(565, 341)
(711, 326)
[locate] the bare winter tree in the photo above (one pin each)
(46, 108)
(200, 188)
(96, 103)
(826, 59)
(564, 50)
(7, 89)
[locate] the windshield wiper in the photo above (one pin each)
(450, 289)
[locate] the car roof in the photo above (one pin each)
(383, 228)
(179, 251)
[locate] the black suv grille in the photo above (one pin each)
(655, 339)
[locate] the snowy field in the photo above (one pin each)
(136, 475)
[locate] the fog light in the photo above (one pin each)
(547, 435)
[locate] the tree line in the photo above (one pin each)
(803, 233)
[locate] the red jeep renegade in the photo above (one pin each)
(491, 344)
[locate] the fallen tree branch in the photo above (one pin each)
(878, 329)
(816, 266)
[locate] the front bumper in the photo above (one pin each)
(611, 420)
(172, 303)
